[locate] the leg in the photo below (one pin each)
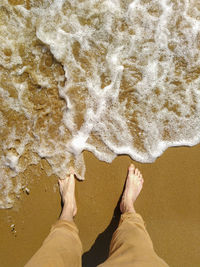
(62, 247)
(131, 245)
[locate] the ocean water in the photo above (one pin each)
(108, 76)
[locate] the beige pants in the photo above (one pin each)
(131, 245)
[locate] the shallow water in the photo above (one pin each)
(112, 77)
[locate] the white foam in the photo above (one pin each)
(153, 73)
(132, 79)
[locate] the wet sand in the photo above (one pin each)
(169, 204)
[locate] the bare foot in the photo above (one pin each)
(67, 192)
(133, 187)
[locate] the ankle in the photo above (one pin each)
(127, 207)
(67, 212)
(66, 215)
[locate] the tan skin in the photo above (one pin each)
(134, 183)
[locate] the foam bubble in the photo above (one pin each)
(110, 77)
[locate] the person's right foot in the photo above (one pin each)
(133, 187)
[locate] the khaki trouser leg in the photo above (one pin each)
(131, 245)
(62, 247)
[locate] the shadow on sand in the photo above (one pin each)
(100, 250)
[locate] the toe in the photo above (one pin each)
(72, 183)
(131, 169)
(60, 181)
(71, 178)
(71, 170)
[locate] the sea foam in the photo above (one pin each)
(110, 77)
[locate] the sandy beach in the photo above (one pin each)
(169, 204)
(112, 78)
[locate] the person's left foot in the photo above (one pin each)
(67, 192)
